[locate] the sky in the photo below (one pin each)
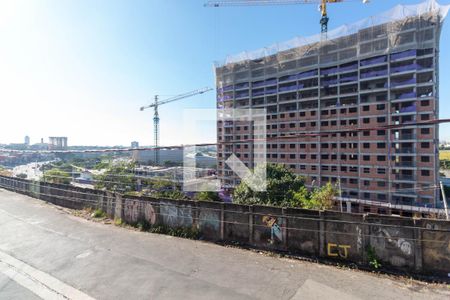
(82, 68)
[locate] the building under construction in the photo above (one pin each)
(355, 109)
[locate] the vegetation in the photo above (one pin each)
(280, 187)
(319, 198)
(445, 164)
(285, 189)
(207, 196)
(22, 175)
(373, 258)
(187, 233)
(57, 176)
(5, 172)
(444, 154)
(98, 213)
(117, 178)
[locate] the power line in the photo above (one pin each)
(305, 134)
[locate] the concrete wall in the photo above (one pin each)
(414, 245)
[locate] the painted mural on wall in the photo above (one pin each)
(390, 238)
(276, 234)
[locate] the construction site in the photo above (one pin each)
(356, 106)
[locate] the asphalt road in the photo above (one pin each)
(47, 253)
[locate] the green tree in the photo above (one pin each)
(57, 176)
(22, 175)
(208, 196)
(285, 189)
(117, 177)
(281, 184)
(320, 198)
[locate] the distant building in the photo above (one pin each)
(57, 143)
(134, 144)
(174, 156)
(27, 140)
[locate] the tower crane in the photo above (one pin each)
(322, 6)
(155, 106)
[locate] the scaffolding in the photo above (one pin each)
(383, 70)
(392, 29)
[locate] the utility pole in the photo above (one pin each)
(445, 200)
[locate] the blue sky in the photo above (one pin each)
(82, 68)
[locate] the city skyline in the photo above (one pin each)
(85, 68)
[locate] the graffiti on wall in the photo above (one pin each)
(176, 216)
(131, 210)
(336, 250)
(359, 239)
(401, 243)
(275, 229)
(149, 213)
(209, 220)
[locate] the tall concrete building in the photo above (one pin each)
(27, 140)
(356, 109)
(57, 143)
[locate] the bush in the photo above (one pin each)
(373, 258)
(98, 213)
(285, 189)
(208, 196)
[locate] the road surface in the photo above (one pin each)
(31, 170)
(47, 253)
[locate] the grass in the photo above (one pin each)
(118, 222)
(98, 213)
(444, 154)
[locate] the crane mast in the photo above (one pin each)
(156, 118)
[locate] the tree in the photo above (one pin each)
(286, 189)
(5, 172)
(320, 198)
(57, 176)
(281, 185)
(117, 177)
(22, 175)
(208, 196)
(166, 189)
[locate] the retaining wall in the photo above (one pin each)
(414, 245)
